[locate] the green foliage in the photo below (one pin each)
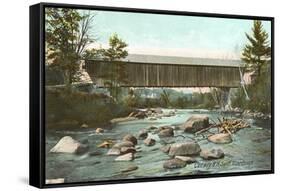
(256, 55)
(257, 52)
(92, 109)
(165, 98)
(168, 98)
(93, 53)
(202, 101)
(115, 72)
(182, 102)
(67, 35)
(259, 93)
(132, 100)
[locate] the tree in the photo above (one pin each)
(256, 54)
(115, 72)
(67, 35)
(165, 98)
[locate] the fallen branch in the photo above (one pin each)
(204, 130)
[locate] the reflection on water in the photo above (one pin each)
(249, 151)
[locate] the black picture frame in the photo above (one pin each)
(37, 94)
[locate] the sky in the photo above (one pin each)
(173, 35)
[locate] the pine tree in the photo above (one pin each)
(257, 57)
(256, 54)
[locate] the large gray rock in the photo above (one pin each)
(212, 154)
(68, 145)
(99, 130)
(165, 131)
(165, 148)
(125, 157)
(157, 110)
(149, 142)
(184, 149)
(186, 159)
(125, 150)
(141, 115)
(220, 138)
(143, 134)
(174, 163)
(151, 128)
(131, 138)
(114, 152)
(195, 123)
(123, 144)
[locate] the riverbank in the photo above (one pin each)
(75, 109)
(249, 150)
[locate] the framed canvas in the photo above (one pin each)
(123, 95)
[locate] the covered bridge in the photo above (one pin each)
(169, 71)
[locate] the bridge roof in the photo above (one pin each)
(155, 59)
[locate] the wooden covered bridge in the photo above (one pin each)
(167, 71)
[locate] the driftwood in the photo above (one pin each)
(229, 126)
(205, 129)
(232, 125)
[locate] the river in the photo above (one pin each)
(249, 151)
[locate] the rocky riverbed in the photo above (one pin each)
(157, 143)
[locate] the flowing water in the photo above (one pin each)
(249, 151)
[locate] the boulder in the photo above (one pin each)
(186, 159)
(113, 152)
(149, 112)
(212, 154)
(68, 145)
(99, 130)
(123, 144)
(125, 157)
(149, 142)
(151, 128)
(158, 110)
(172, 113)
(125, 150)
(174, 163)
(165, 148)
(164, 127)
(143, 134)
(141, 115)
(166, 133)
(184, 149)
(105, 144)
(167, 115)
(195, 123)
(131, 138)
(220, 138)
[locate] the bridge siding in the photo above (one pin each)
(168, 75)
